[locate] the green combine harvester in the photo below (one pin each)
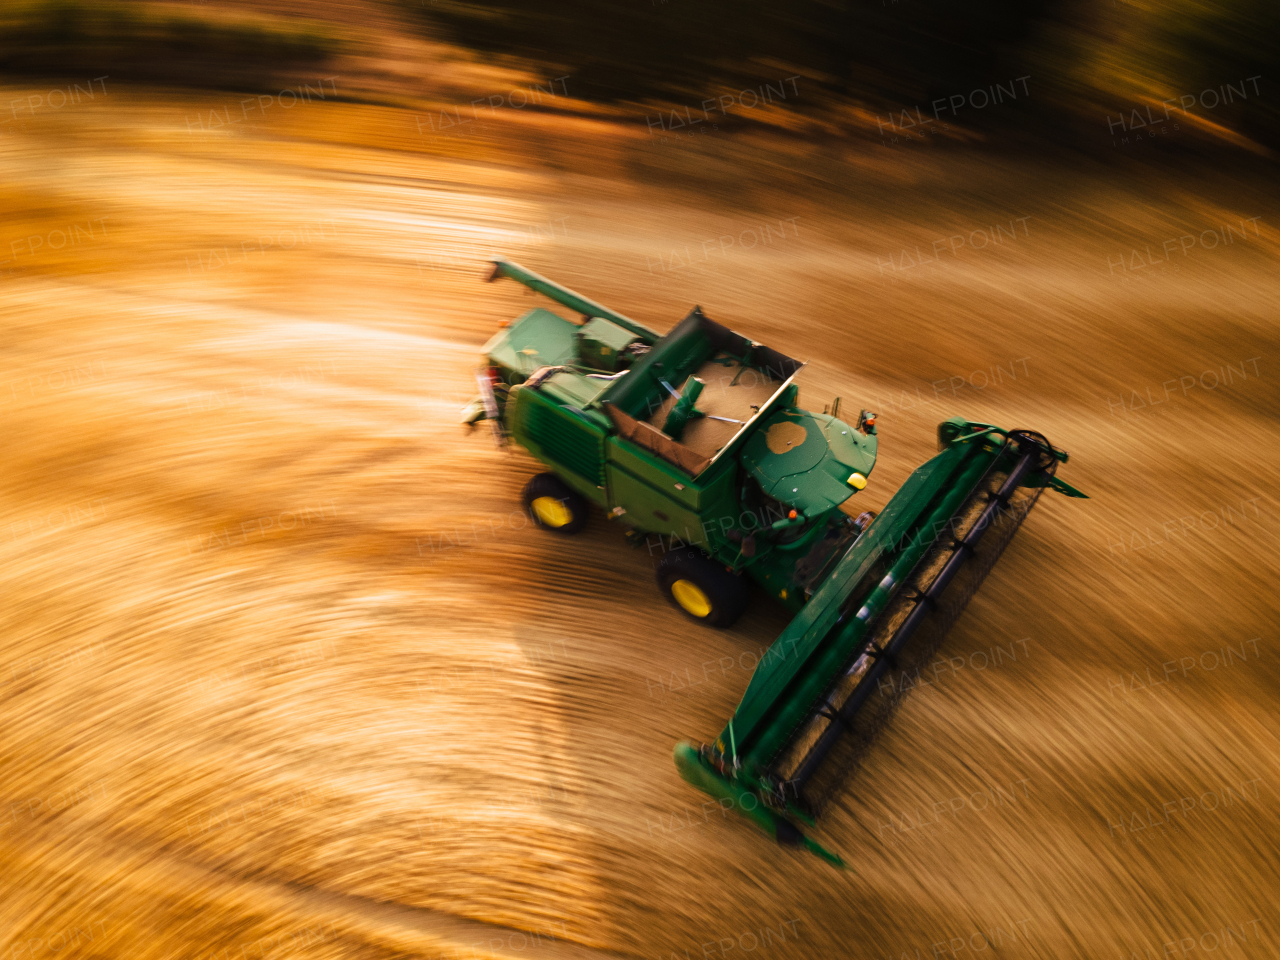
(697, 437)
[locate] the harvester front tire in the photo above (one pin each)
(553, 505)
(702, 589)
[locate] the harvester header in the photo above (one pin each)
(697, 435)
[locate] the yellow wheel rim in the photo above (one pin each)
(552, 512)
(690, 596)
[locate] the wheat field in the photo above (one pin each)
(287, 672)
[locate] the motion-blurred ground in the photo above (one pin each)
(286, 670)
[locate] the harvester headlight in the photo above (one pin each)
(857, 481)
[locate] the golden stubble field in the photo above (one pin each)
(286, 672)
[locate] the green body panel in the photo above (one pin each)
(538, 338)
(651, 510)
(718, 499)
(576, 390)
(658, 474)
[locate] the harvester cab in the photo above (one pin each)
(697, 438)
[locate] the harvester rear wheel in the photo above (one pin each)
(701, 588)
(553, 505)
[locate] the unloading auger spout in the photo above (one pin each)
(884, 609)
